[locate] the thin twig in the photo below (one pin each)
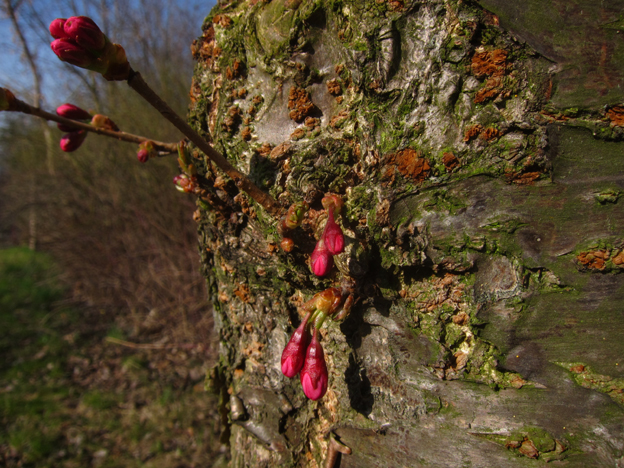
(21, 106)
(136, 82)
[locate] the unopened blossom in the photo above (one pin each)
(57, 28)
(79, 41)
(71, 141)
(332, 235)
(84, 32)
(321, 259)
(146, 151)
(71, 111)
(314, 375)
(294, 353)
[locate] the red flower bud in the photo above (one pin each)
(332, 235)
(314, 373)
(85, 33)
(56, 28)
(146, 151)
(143, 155)
(321, 259)
(72, 140)
(69, 111)
(294, 353)
(70, 52)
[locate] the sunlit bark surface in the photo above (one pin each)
(478, 149)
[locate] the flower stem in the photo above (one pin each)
(136, 82)
(21, 106)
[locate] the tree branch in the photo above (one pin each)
(136, 82)
(21, 106)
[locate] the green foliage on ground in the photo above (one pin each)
(69, 398)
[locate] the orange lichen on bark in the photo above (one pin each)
(205, 49)
(618, 259)
(222, 20)
(339, 118)
(265, 149)
(593, 260)
(450, 161)
(333, 87)
(300, 104)
(410, 163)
(472, 132)
(522, 178)
(246, 133)
(494, 88)
(616, 116)
(280, 151)
(234, 71)
(489, 134)
(242, 292)
(298, 134)
(489, 63)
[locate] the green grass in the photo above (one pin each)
(67, 398)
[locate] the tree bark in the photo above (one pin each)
(478, 149)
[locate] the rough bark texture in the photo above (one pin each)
(478, 150)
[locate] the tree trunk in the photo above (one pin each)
(478, 149)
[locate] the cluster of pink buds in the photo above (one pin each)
(146, 151)
(80, 42)
(292, 220)
(332, 240)
(304, 354)
(72, 140)
(74, 137)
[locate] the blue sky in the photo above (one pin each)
(14, 72)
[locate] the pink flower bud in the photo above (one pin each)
(69, 111)
(294, 353)
(321, 259)
(72, 140)
(70, 52)
(85, 33)
(143, 155)
(314, 373)
(332, 235)
(56, 28)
